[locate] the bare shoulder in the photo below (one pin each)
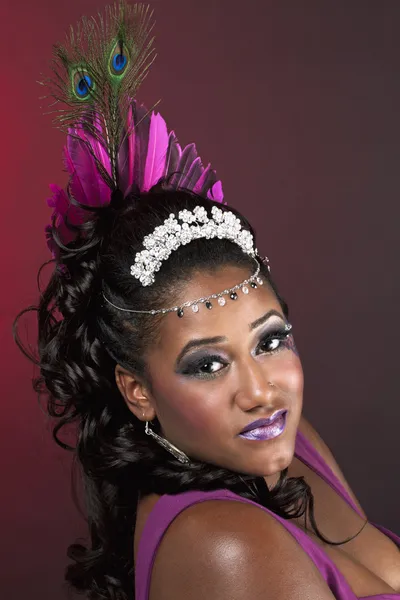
(322, 448)
(223, 549)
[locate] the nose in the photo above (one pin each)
(255, 387)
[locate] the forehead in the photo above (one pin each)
(226, 320)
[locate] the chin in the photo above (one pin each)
(283, 462)
(271, 460)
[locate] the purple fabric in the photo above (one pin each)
(169, 507)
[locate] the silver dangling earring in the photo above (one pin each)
(181, 456)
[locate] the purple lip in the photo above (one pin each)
(264, 422)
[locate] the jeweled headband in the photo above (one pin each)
(172, 234)
(115, 145)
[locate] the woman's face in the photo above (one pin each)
(211, 375)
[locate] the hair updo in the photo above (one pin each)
(81, 339)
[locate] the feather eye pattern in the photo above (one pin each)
(97, 73)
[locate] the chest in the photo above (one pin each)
(371, 561)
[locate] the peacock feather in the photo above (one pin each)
(113, 143)
(96, 74)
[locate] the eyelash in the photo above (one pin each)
(193, 370)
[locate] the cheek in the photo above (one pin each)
(289, 375)
(201, 415)
(188, 404)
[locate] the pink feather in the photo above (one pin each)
(147, 154)
(156, 151)
(59, 201)
(87, 185)
(61, 207)
(216, 193)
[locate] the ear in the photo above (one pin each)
(135, 393)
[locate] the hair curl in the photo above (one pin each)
(81, 339)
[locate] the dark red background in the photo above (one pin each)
(297, 106)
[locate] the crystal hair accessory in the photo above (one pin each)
(171, 234)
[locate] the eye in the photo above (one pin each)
(274, 341)
(209, 366)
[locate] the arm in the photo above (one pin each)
(227, 550)
(321, 447)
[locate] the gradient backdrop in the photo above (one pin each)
(297, 106)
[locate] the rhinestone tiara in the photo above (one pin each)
(194, 225)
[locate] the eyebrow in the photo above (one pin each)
(220, 338)
(264, 318)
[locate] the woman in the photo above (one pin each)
(163, 338)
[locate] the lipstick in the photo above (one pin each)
(266, 429)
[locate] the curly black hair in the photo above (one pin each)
(81, 338)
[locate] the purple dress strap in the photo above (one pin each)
(168, 507)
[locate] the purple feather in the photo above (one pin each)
(189, 155)
(193, 174)
(174, 154)
(208, 185)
